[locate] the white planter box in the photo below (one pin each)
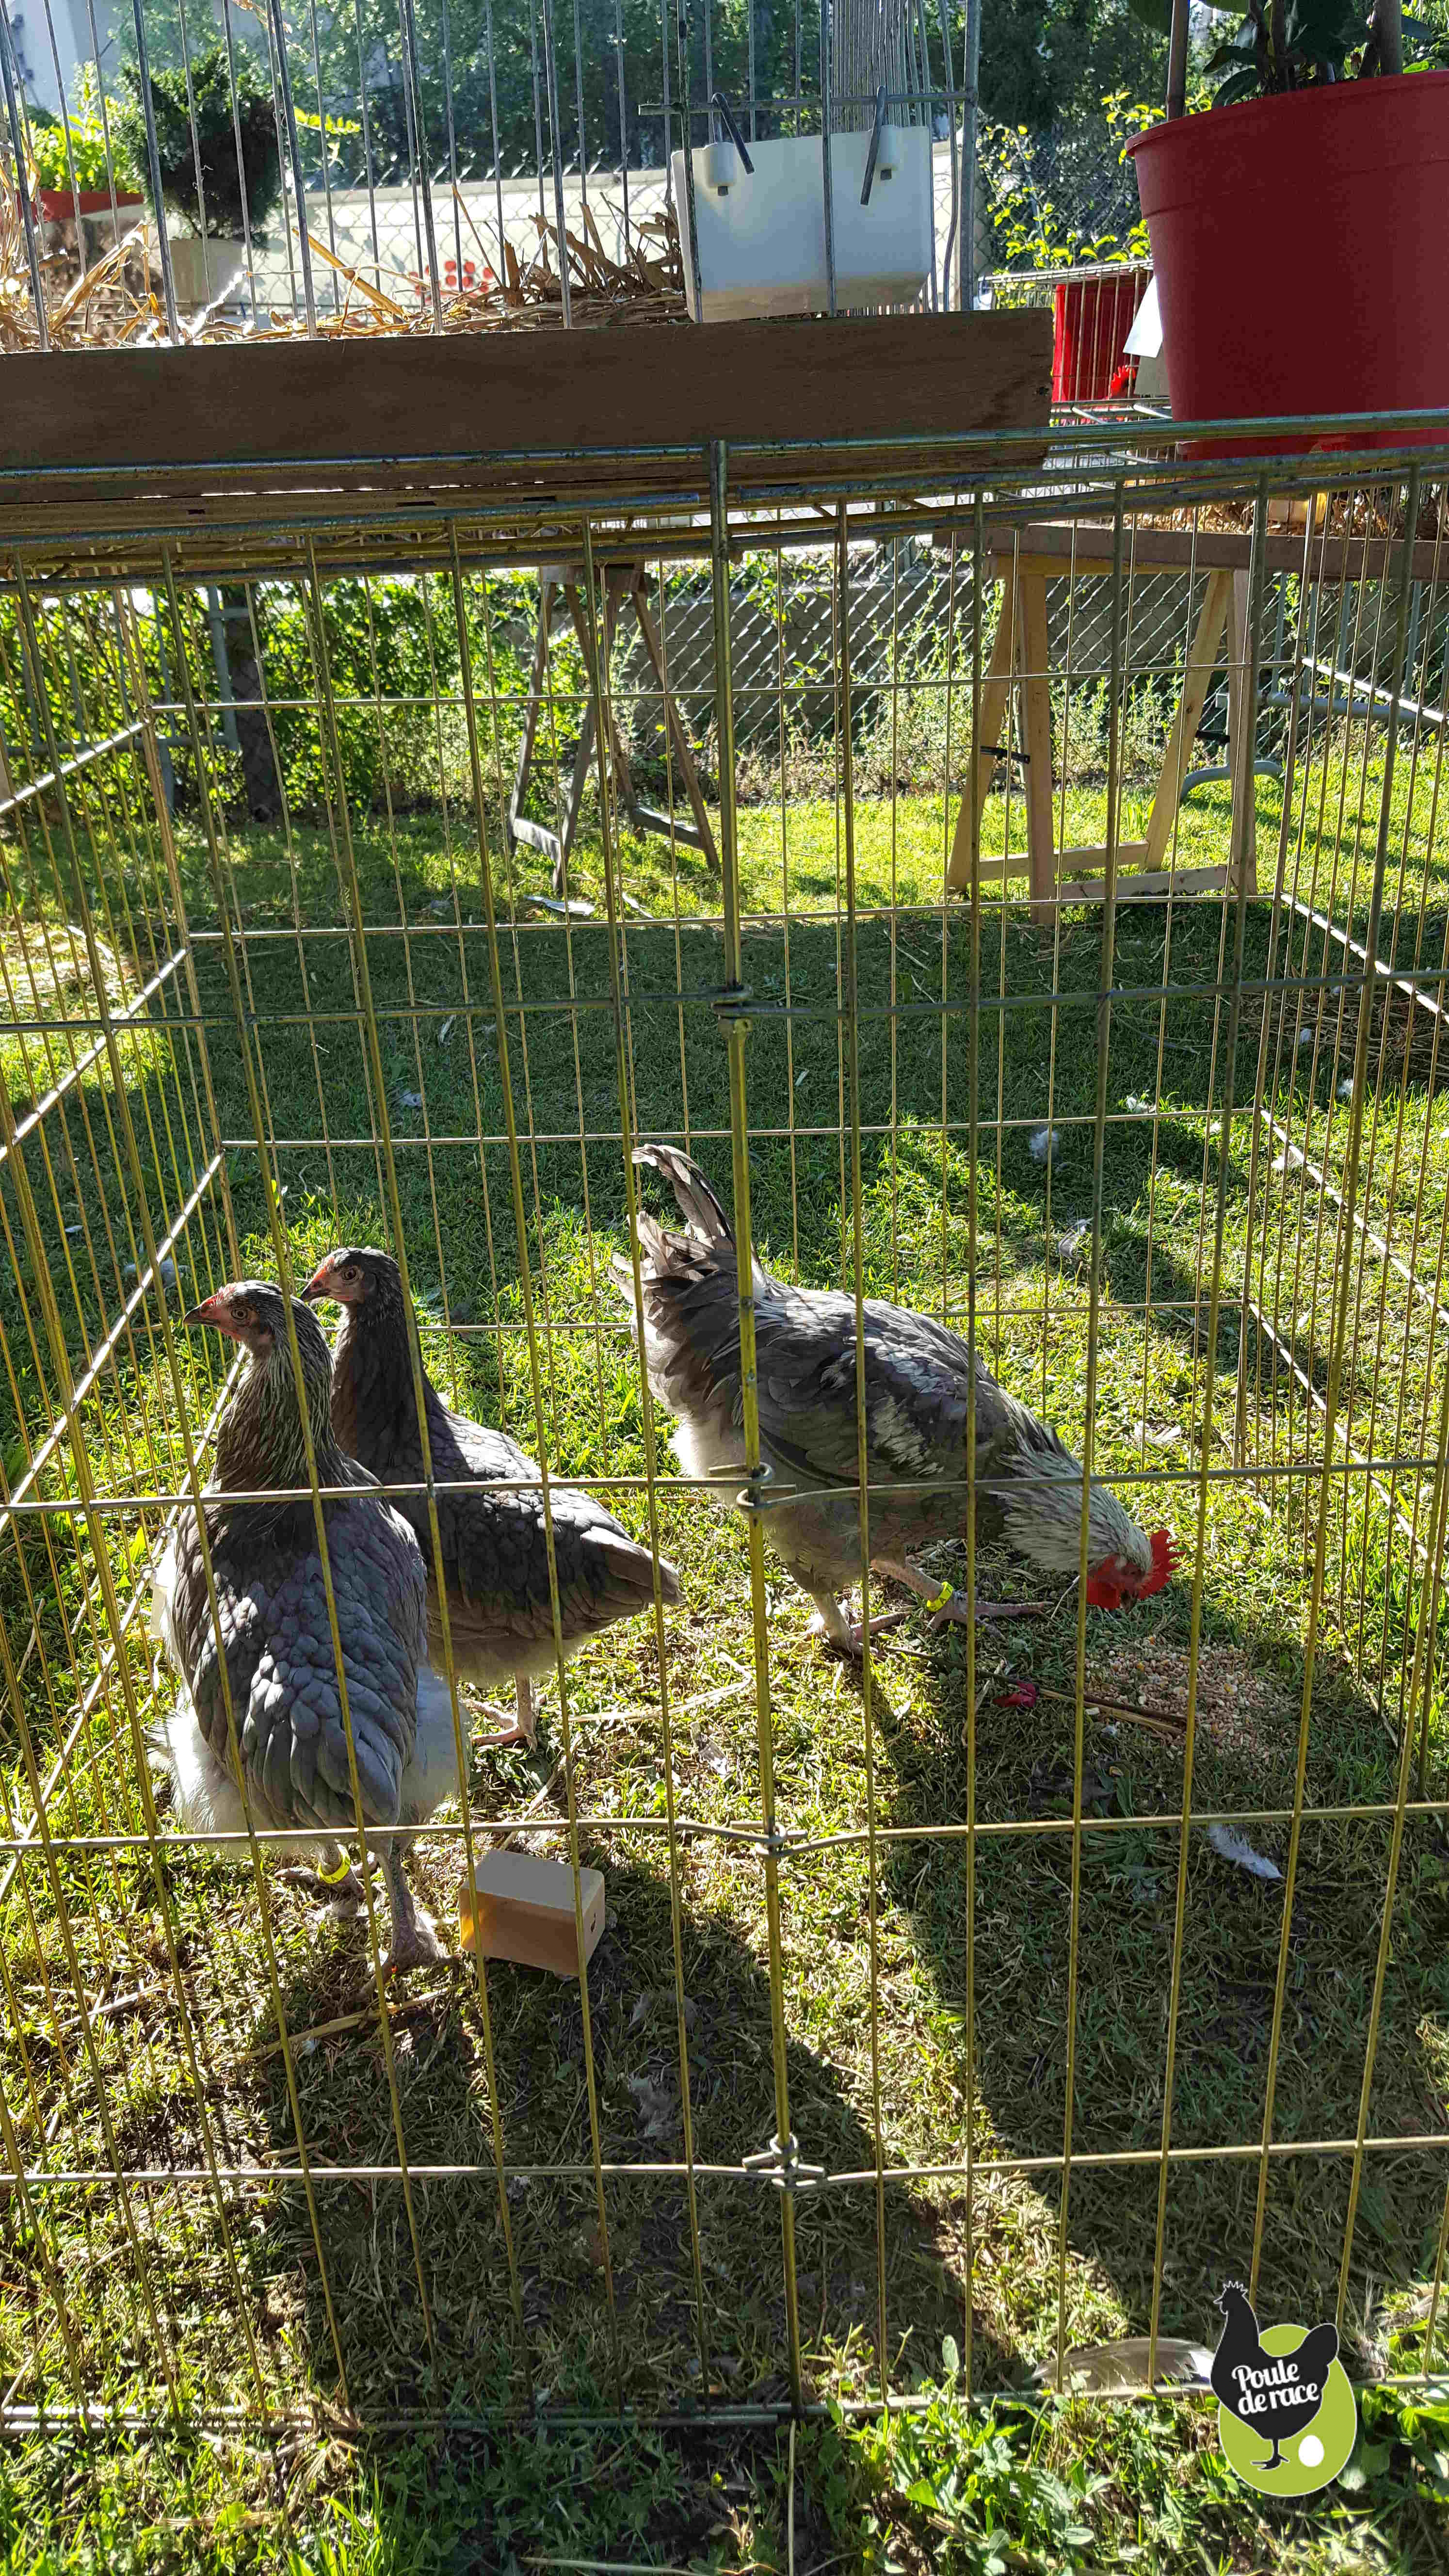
(762, 233)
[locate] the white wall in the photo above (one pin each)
(70, 23)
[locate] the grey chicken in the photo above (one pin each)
(494, 1547)
(277, 1636)
(917, 1372)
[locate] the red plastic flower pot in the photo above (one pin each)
(59, 205)
(1301, 249)
(1093, 316)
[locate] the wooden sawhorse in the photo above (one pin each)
(1021, 660)
(622, 582)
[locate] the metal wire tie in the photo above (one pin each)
(750, 1499)
(781, 2165)
(732, 1002)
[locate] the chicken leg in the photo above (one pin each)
(946, 1605)
(840, 1631)
(524, 1728)
(415, 1942)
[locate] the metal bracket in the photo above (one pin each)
(782, 2166)
(874, 153)
(750, 1500)
(732, 1003)
(726, 115)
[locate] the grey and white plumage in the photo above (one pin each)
(917, 1382)
(494, 1541)
(276, 1636)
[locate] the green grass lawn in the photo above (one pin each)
(915, 2024)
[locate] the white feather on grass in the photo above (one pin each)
(1236, 1847)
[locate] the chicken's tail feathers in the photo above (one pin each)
(698, 1205)
(654, 1257)
(618, 1576)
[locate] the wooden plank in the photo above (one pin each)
(1033, 653)
(1083, 547)
(1130, 855)
(1135, 888)
(1197, 680)
(538, 409)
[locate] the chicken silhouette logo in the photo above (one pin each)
(1286, 2411)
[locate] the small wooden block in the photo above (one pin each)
(523, 1909)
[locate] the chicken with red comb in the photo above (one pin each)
(1112, 1583)
(918, 1384)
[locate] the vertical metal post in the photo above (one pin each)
(737, 1031)
(413, 98)
(452, 153)
(294, 154)
(579, 96)
(953, 230)
(17, 146)
(1177, 58)
(750, 60)
(153, 163)
(623, 115)
(493, 123)
(237, 139)
(970, 87)
(362, 103)
(825, 155)
(550, 73)
(686, 124)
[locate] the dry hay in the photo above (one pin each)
(119, 301)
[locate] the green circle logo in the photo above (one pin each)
(1272, 2431)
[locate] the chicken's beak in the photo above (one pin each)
(317, 1285)
(208, 1312)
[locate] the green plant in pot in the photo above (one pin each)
(1320, 143)
(201, 260)
(59, 171)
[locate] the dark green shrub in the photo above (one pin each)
(215, 140)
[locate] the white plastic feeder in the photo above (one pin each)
(762, 231)
(718, 168)
(1144, 343)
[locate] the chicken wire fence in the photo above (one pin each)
(998, 1992)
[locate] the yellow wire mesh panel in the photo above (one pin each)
(1061, 959)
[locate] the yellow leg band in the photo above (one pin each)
(938, 1600)
(334, 1877)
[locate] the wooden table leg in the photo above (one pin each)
(995, 702)
(536, 685)
(1196, 682)
(582, 756)
(1033, 658)
(674, 730)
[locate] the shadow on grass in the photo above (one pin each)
(647, 2346)
(1227, 1976)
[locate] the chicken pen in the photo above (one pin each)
(996, 1993)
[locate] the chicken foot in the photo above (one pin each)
(524, 1728)
(336, 1874)
(941, 1599)
(415, 1942)
(947, 1605)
